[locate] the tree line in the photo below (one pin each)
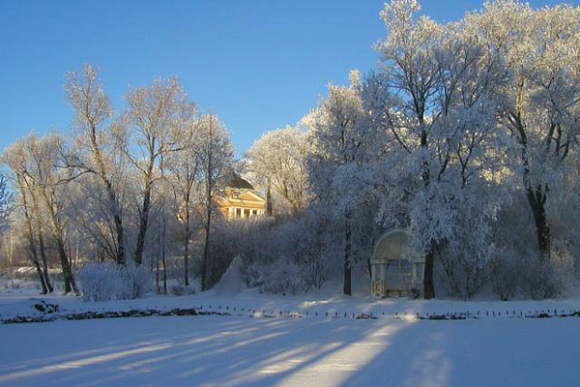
(118, 176)
(466, 134)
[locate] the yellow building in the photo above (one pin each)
(240, 200)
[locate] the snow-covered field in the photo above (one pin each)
(314, 349)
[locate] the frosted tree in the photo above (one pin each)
(342, 141)
(17, 160)
(215, 153)
(99, 151)
(183, 172)
(5, 204)
(412, 70)
(14, 157)
(41, 175)
(565, 207)
(165, 228)
(434, 96)
(278, 161)
(540, 99)
(154, 116)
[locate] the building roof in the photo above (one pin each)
(239, 183)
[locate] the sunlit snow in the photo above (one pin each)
(309, 350)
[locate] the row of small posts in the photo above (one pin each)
(544, 313)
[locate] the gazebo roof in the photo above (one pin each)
(394, 245)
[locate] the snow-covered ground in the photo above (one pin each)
(313, 349)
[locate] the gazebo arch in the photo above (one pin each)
(395, 267)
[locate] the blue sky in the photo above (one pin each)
(258, 64)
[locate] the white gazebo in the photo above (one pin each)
(395, 267)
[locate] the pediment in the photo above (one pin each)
(250, 196)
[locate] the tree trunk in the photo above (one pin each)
(206, 247)
(157, 269)
(208, 203)
(117, 219)
(205, 257)
(185, 263)
(120, 240)
(347, 285)
(537, 201)
(186, 243)
(40, 275)
(42, 249)
(536, 197)
(163, 257)
(69, 281)
(269, 207)
(428, 283)
(143, 221)
(45, 284)
(34, 259)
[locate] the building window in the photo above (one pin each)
(238, 212)
(246, 213)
